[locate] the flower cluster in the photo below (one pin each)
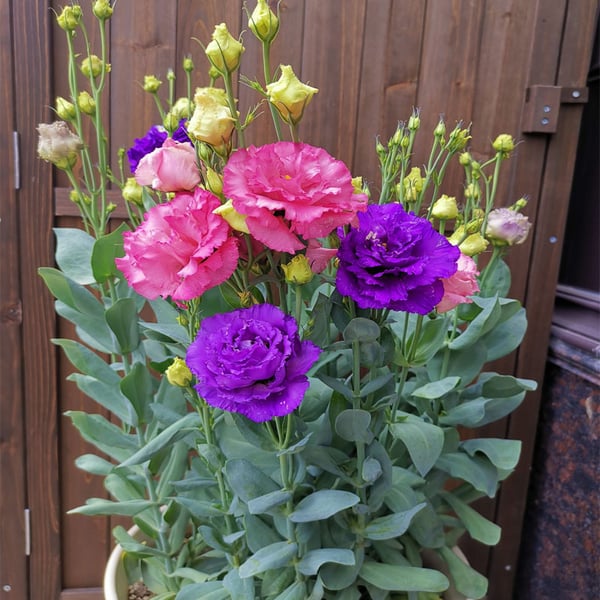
(293, 359)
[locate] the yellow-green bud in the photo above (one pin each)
(133, 192)
(111, 207)
(263, 22)
(214, 73)
(170, 75)
(188, 64)
(58, 144)
(440, 129)
(93, 65)
(474, 225)
(235, 219)
(504, 144)
(178, 373)
(445, 208)
(170, 122)
(214, 182)
(289, 95)
(70, 17)
(298, 270)
(458, 139)
(151, 84)
(414, 122)
(413, 185)
(473, 244)
(224, 52)
(65, 109)
(472, 191)
(86, 103)
(102, 9)
(212, 121)
(520, 204)
(182, 108)
(464, 159)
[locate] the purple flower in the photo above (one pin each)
(252, 361)
(394, 260)
(154, 138)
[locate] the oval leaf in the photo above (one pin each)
(322, 504)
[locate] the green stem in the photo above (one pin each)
(266, 55)
(233, 109)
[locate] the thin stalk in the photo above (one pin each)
(266, 56)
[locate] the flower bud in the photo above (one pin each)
(473, 244)
(472, 191)
(440, 129)
(520, 204)
(65, 109)
(458, 139)
(188, 64)
(211, 121)
(214, 182)
(289, 95)
(414, 122)
(93, 65)
(224, 52)
(58, 144)
(298, 270)
(507, 227)
(504, 144)
(235, 219)
(102, 9)
(182, 108)
(70, 17)
(413, 185)
(170, 122)
(86, 103)
(170, 75)
(445, 208)
(263, 22)
(178, 373)
(151, 84)
(464, 159)
(133, 192)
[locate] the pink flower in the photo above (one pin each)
(318, 257)
(181, 250)
(290, 191)
(461, 285)
(170, 168)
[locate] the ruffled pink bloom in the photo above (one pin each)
(461, 285)
(170, 168)
(318, 257)
(181, 250)
(290, 192)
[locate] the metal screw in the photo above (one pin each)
(507, 568)
(547, 108)
(575, 93)
(6, 588)
(553, 239)
(545, 121)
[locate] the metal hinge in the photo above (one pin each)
(542, 106)
(27, 522)
(16, 160)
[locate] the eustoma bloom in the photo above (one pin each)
(251, 361)
(461, 285)
(181, 250)
(395, 260)
(289, 191)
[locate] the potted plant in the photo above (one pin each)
(290, 361)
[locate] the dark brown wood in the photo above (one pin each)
(31, 50)
(13, 562)
(82, 594)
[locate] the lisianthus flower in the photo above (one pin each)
(170, 168)
(290, 191)
(252, 361)
(154, 138)
(395, 260)
(461, 285)
(319, 256)
(181, 250)
(506, 226)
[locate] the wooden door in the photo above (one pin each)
(373, 61)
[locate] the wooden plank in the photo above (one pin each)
(13, 571)
(576, 43)
(31, 47)
(82, 594)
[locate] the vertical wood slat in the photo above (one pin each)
(13, 568)
(576, 45)
(32, 95)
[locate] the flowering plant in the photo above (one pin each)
(290, 361)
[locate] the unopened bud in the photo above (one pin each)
(263, 22)
(178, 373)
(507, 227)
(70, 17)
(445, 208)
(289, 95)
(504, 144)
(464, 159)
(151, 84)
(440, 129)
(473, 244)
(102, 9)
(93, 65)
(298, 270)
(414, 122)
(235, 219)
(86, 103)
(133, 192)
(65, 109)
(224, 52)
(188, 64)
(413, 185)
(58, 144)
(214, 182)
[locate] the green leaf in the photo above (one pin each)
(296, 591)
(336, 385)
(259, 534)
(361, 330)
(138, 387)
(504, 454)
(398, 578)
(122, 318)
(352, 425)
(100, 506)
(481, 411)
(274, 556)
(376, 384)
(480, 325)
(91, 329)
(391, 526)
(323, 504)
(423, 441)
(248, 481)
(238, 588)
(105, 250)
(466, 580)
(94, 464)
(73, 254)
(497, 280)
(267, 502)
(478, 471)
(433, 334)
(201, 509)
(312, 561)
(437, 389)
(506, 336)
(71, 293)
(479, 527)
(87, 362)
(165, 438)
(208, 590)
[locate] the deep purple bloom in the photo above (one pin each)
(394, 260)
(154, 138)
(252, 361)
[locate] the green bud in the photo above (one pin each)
(178, 373)
(504, 144)
(414, 122)
(188, 64)
(445, 208)
(170, 75)
(440, 129)
(464, 159)
(132, 191)
(151, 84)
(263, 22)
(92, 65)
(70, 17)
(86, 103)
(102, 9)
(65, 109)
